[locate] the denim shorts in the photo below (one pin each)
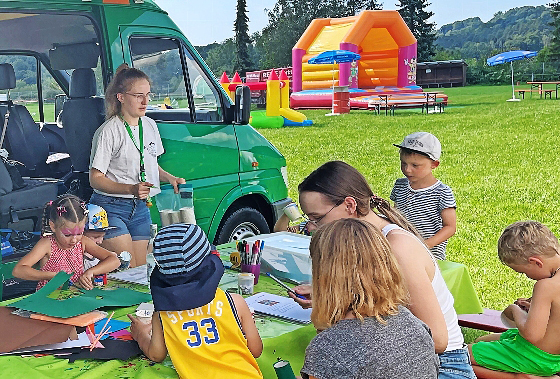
(128, 216)
(455, 364)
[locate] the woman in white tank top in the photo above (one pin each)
(337, 190)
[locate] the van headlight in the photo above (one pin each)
(284, 171)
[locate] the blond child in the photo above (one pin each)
(368, 331)
(207, 331)
(533, 348)
(427, 203)
(64, 246)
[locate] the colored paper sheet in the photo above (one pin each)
(123, 335)
(115, 325)
(19, 332)
(81, 320)
(40, 302)
(114, 349)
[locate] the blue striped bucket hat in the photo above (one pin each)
(180, 248)
(186, 275)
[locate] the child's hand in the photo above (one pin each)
(86, 280)
(139, 328)
(523, 303)
(293, 229)
(305, 290)
(508, 312)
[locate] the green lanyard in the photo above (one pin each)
(139, 147)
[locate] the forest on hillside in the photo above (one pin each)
(524, 28)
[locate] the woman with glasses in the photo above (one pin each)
(337, 190)
(124, 172)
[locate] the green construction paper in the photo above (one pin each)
(40, 302)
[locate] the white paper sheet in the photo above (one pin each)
(137, 275)
(279, 306)
(82, 341)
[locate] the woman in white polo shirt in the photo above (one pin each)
(124, 172)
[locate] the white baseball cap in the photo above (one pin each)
(422, 142)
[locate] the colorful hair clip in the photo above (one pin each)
(50, 203)
(60, 210)
(84, 207)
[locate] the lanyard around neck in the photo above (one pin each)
(139, 147)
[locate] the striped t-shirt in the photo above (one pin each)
(423, 207)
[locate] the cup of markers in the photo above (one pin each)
(250, 256)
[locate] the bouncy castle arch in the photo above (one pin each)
(386, 45)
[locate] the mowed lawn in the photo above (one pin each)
(500, 158)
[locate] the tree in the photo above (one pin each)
(288, 20)
(242, 61)
(553, 51)
(416, 17)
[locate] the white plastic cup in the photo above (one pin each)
(292, 211)
(175, 217)
(245, 283)
(187, 215)
(144, 312)
(165, 216)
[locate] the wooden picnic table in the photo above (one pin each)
(389, 103)
(539, 86)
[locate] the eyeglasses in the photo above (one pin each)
(318, 219)
(140, 96)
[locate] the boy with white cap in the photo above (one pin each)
(207, 331)
(96, 226)
(427, 203)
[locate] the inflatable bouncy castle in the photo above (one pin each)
(387, 63)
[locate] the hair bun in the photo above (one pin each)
(122, 67)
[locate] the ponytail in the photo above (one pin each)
(383, 207)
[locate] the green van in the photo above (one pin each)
(64, 53)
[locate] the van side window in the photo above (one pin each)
(205, 96)
(25, 93)
(160, 59)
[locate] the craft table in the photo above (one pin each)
(280, 339)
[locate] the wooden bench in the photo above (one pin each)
(547, 92)
(489, 321)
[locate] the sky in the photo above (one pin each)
(207, 21)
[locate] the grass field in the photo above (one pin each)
(498, 157)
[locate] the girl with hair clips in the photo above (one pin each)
(124, 171)
(337, 190)
(63, 247)
(363, 316)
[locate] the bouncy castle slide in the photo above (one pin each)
(387, 64)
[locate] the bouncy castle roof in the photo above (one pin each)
(365, 29)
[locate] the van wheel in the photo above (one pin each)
(243, 223)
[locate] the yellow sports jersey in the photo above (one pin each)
(207, 342)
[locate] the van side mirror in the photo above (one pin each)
(59, 101)
(242, 108)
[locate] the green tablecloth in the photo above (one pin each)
(280, 339)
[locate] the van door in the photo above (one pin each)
(188, 108)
